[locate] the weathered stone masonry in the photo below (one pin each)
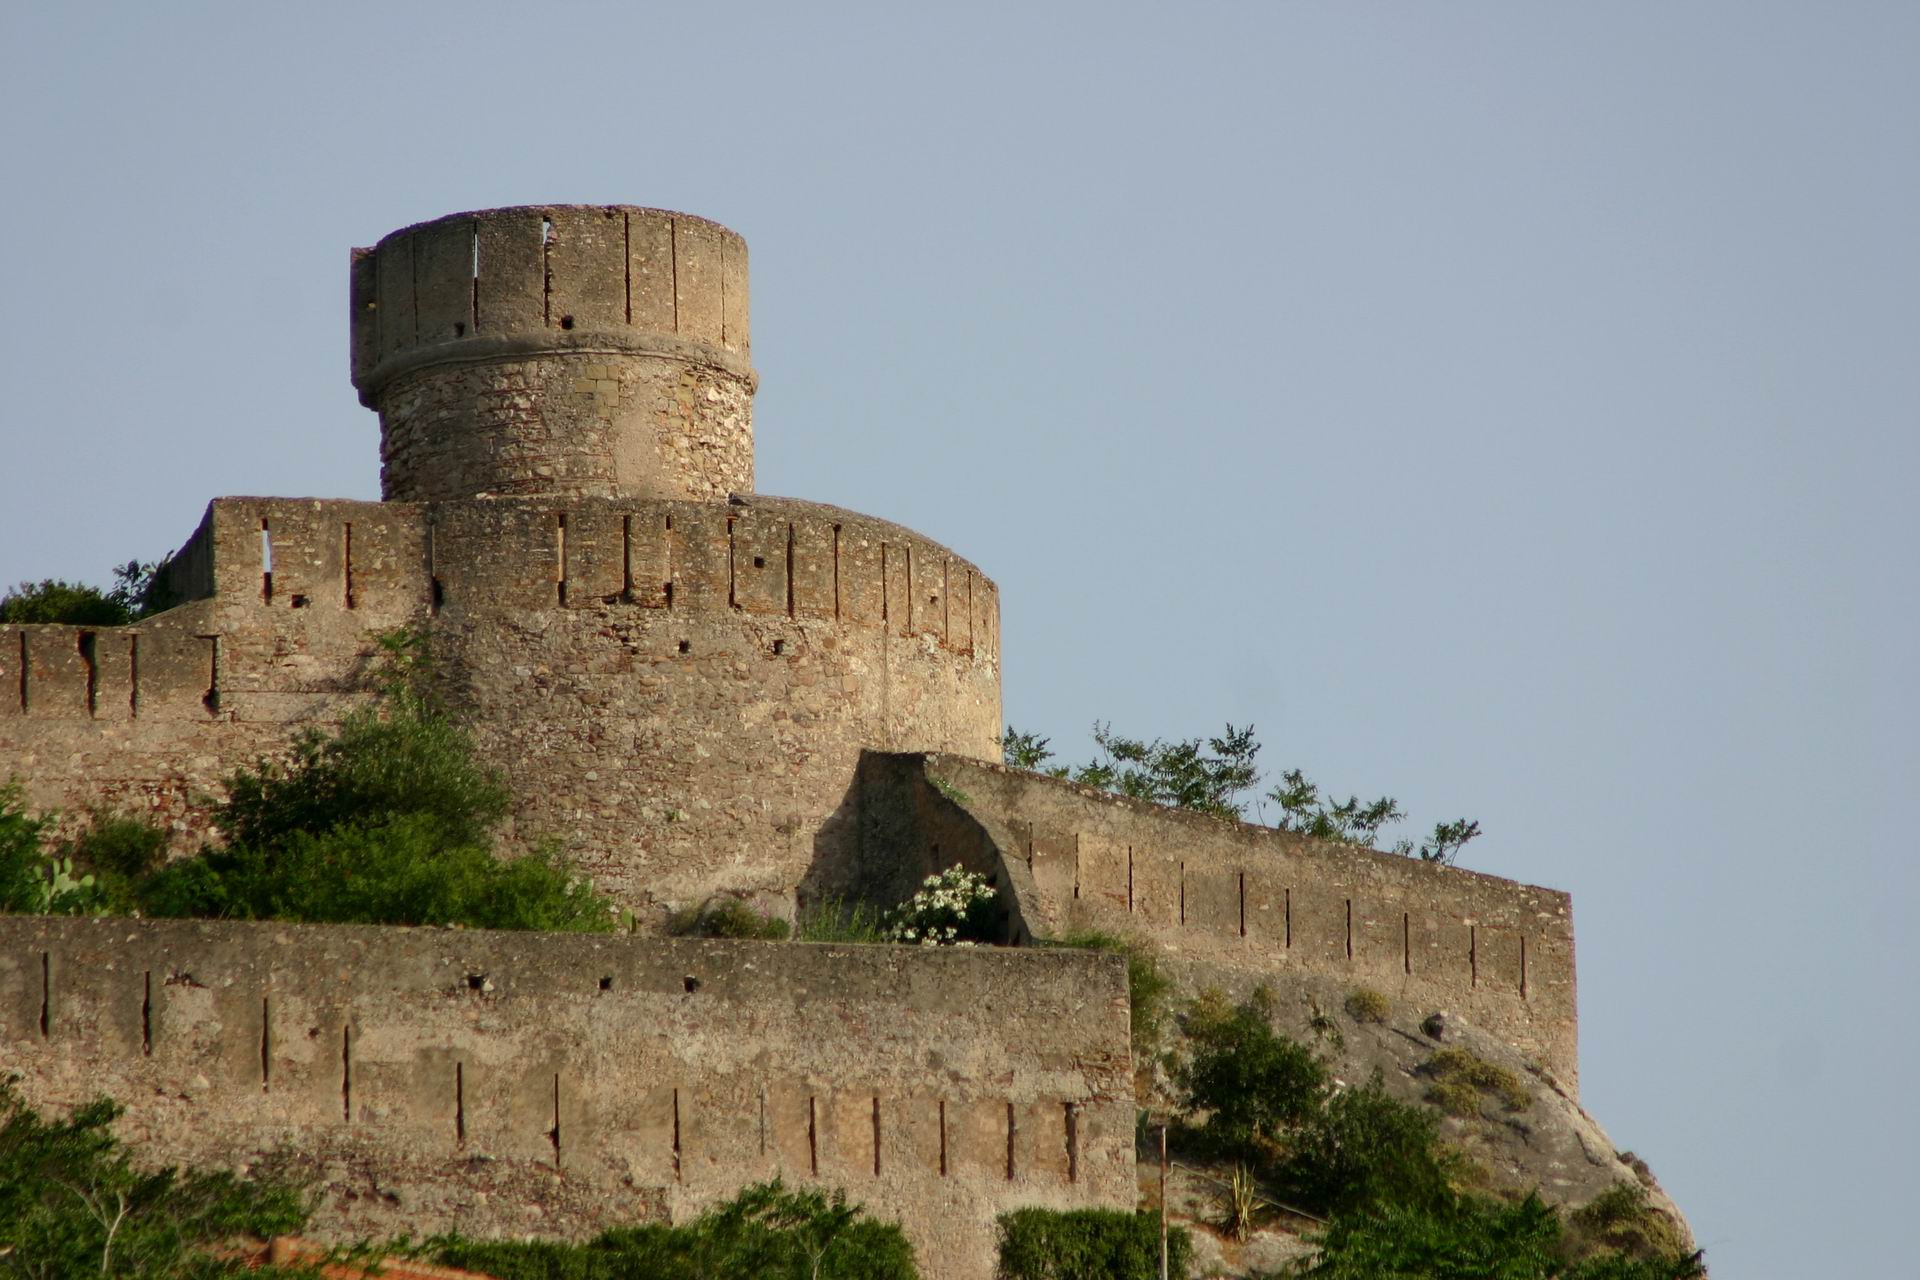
(698, 690)
(512, 1083)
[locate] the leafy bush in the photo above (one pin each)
(1088, 1244)
(1249, 1080)
(1147, 984)
(1212, 774)
(32, 880)
(1367, 1005)
(1362, 1148)
(72, 1203)
(766, 1231)
(137, 591)
(726, 918)
(1473, 1237)
(956, 908)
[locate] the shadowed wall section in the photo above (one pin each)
(504, 1084)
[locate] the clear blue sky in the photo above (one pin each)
(1509, 407)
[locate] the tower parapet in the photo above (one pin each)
(575, 350)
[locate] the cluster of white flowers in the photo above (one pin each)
(941, 910)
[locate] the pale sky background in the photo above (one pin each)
(1508, 407)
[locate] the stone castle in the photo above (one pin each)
(702, 692)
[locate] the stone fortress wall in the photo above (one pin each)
(506, 1084)
(680, 691)
(699, 691)
(1232, 904)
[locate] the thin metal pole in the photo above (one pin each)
(1163, 1202)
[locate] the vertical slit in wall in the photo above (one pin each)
(626, 559)
(1286, 908)
(46, 995)
(969, 611)
(146, 1016)
(673, 261)
(1129, 879)
(1243, 904)
(546, 271)
(876, 1137)
(435, 594)
(23, 672)
(266, 1044)
(266, 562)
(560, 556)
(133, 677)
(211, 698)
(1406, 941)
(626, 257)
(668, 584)
(943, 1137)
(1183, 893)
(906, 623)
(732, 603)
(1523, 966)
(474, 306)
(763, 1119)
(676, 1135)
(1076, 865)
(1010, 1140)
(883, 599)
(346, 561)
(346, 1074)
(790, 612)
(460, 1104)
(836, 571)
(1073, 1143)
(1349, 928)
(86, 647)
(946, 602)
(813, 1136)
(1473, 954)
(555, 1132)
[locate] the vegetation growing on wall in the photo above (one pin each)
(138, 590)
(1213, 775)
(388, 820)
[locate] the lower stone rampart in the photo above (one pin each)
(504, 1084)
(1236, 903)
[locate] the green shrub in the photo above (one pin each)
(1088, 1244)
(1456, 1072)
(1367, 1005)
(1361, 1148)
(726, 918)
(766, 1231)
(1472, 1237)
(1250, 1080)
(73, 1204)
(840, 920)
(138, 590)
(1147, 984)
(32, 880)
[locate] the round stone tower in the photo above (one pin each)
(564, 350)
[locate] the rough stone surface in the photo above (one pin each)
(512, 1083)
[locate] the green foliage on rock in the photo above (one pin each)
(767, 1232)
(1474, 1238)
(1247, 1081)
(1088, 1244)
(74, 1204)
(726, 918)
